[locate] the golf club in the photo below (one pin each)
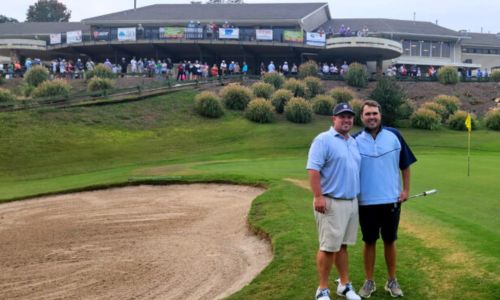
(429, 192)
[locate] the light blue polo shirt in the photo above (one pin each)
(338, 162)
(382, 159)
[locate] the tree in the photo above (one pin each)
(5, 19)
(48, 11)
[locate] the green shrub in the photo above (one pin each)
(356, 75)
(56, 88)
(23, 89)
(342, 94)
(100, 71)
(309, 68)
(495, 76)
(262, 90)
(425, 118)
(100, 84)
(2, 79)
(457, 120)
(298, 110)
(314, 86)
(36, 76)
(356, 105)
(297, 87)
(437, 108)
(280, 98)
(275, 79)
(236, 96)
(260, 110)
(406, 109)
(448, 75)
(492, 119)
(390, 95)
(208, 104)
(322, 105)
(6, 96)
(451, 103)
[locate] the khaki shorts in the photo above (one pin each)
(339, 225)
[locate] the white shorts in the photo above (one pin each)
(338, 225)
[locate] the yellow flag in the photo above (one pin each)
(468, 122)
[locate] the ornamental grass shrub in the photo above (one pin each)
(260, 110)
(425, 118)
(447, 75)
(280, 98)
(322, 105)
(456, 121)
(235, 96)
(36, 76)
(297, 87)
(57, 88)
(6, 96)
(451, 103)
(275, 79)
(356, 105)
(341, 94)
(314, 86)
(438, 108)
(100, 84)
(492, 119)
(390, 95)
(309, 68)
(356, 75)
(298, 110)
(100, 71)
(262, 90)
(406, 109)
(208, 104)
(495, 76)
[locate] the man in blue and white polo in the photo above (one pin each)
(384, 156)
(333, 165)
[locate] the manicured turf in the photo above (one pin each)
(449, 244)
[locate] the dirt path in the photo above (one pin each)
(146, 242)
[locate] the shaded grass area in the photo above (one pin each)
(449, 246)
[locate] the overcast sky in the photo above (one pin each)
(470, 15)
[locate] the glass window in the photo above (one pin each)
(435, 49)
(415, 48)
(445, 50)
(406, 48)
(426, 49)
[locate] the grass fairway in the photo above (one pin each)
(449, 244)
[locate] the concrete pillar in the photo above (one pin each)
(14, 56)
(379, 66)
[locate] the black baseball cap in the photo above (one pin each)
(342, 107)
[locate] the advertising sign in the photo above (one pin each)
(172, 32)
(74, 37)
(264, 34)
(100, 35)
(229, 33)
(293, 36)
(55, 38)
(316, 38)
(126, 34)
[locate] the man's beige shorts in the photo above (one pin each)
(338, 225)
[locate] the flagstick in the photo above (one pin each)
(468, 154)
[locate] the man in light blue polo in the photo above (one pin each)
(384, 155)
(333, 165)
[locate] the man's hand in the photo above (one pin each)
(403, 196)
(320, 204)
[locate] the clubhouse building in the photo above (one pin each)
(254, 33)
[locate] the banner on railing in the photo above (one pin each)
(264, 34)
(101, 35)
(172, 32)
(74, 37)
(293, 36)
(316, 38)
(229, 33)
(55, 38)
(194, 33)
(126, 34)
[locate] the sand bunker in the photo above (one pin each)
(146, 242)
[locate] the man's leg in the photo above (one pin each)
(324, 261)
(390, 258)
(369, 252)
(342, 263)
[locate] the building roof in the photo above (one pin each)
(482, 39)
(208, 12)
(40, 28)
(402, 27)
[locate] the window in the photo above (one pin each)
(445, 50)
(415, 48)
(406, 48)
(436, 49)
(426, 49)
